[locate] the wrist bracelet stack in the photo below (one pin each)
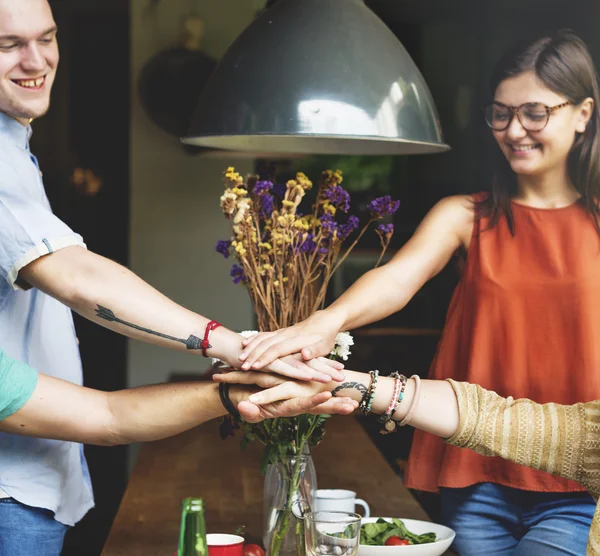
(386, 419)
(366, 403)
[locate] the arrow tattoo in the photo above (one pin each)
(193, 342)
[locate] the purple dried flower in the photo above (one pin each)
(338, 197)
(308, 245)
(266, 205)
(328, 224)
(262, 187)
(237, 273)
(322, 250)
(279, 190)
(385, 229)
(383, 206)
(344, 230)
(223, 246)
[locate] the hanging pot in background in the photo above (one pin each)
(171, 81)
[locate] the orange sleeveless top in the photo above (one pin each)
(523, 321)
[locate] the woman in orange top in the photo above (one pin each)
(527, 306)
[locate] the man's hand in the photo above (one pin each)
(289, 398)
(313, 337)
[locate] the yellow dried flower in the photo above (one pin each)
(286, 220)
(285, 280)
(302, 224)
(329, 208)
(288, 204)
(266, 246)
(303, 181)
(276, 283)
(239, 191)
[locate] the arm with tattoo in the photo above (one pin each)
(113, 296)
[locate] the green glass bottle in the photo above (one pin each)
(192, 533)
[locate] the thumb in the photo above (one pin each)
(249, 412)
(320, 349)
(307, 354)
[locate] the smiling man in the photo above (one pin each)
(29, 58)
(45, 272)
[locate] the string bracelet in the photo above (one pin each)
(414, 403)
(366, 402)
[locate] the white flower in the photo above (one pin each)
(343, 341)
(242, 206)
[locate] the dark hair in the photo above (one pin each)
(563, 63)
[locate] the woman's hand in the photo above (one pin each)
(319, 369)
(312, 337)
(290, 398)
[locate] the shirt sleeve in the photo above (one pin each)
(559, 439)
(28, 228)
(17, 383)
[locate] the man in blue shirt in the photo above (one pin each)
(45, 271)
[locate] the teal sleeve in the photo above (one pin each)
(17, 383)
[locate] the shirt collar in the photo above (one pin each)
(15, 132)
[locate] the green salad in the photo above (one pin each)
(383, 532)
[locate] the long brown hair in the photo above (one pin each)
(563, 63)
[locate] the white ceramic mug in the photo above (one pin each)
(339, 500)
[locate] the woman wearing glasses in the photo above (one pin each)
(526, 307)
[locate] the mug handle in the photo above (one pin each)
(365, 506)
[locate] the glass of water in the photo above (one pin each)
(332, 533)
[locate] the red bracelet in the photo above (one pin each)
(209, 328)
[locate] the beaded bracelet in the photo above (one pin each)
(367, 400)
(389, 425)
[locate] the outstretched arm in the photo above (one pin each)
(556, 438)
(113, 296)
(377, 294)
(60, 410)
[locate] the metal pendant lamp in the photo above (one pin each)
(318, 77)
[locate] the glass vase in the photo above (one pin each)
(289, 490)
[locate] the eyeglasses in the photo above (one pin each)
(533, 116)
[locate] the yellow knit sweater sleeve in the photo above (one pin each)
(560, 439)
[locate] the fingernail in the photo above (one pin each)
(242, 356)
(246, 366)
(257, 365)
(254, 398)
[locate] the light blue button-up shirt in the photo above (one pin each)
(38, 330)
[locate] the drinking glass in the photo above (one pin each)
(332, 533)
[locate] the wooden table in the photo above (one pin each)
(199, 463)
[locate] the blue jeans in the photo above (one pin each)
(27, 531)
(496, 520)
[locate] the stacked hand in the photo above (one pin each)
(311, 338)
(282, 397)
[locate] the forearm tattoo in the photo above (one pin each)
(347, 385)
(193, 342)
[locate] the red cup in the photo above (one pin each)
(221, 544)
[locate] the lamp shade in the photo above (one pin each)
(320, 77)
